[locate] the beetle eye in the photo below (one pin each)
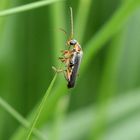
(73, 42)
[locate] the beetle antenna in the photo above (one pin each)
(61, 29)
(71, 20)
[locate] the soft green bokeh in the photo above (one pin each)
(105, 103)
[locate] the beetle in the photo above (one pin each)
(71, 58)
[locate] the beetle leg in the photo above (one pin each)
(64, 51)
(57, 70)
(64, 72)
(63, 60)
(67, 53)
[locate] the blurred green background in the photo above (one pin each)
(105, 103)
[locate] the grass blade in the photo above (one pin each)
(26, 7)
(13, 112)
(19, 117)
(82, 16)
(58, 39)
(40, 108)
(108, 31)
